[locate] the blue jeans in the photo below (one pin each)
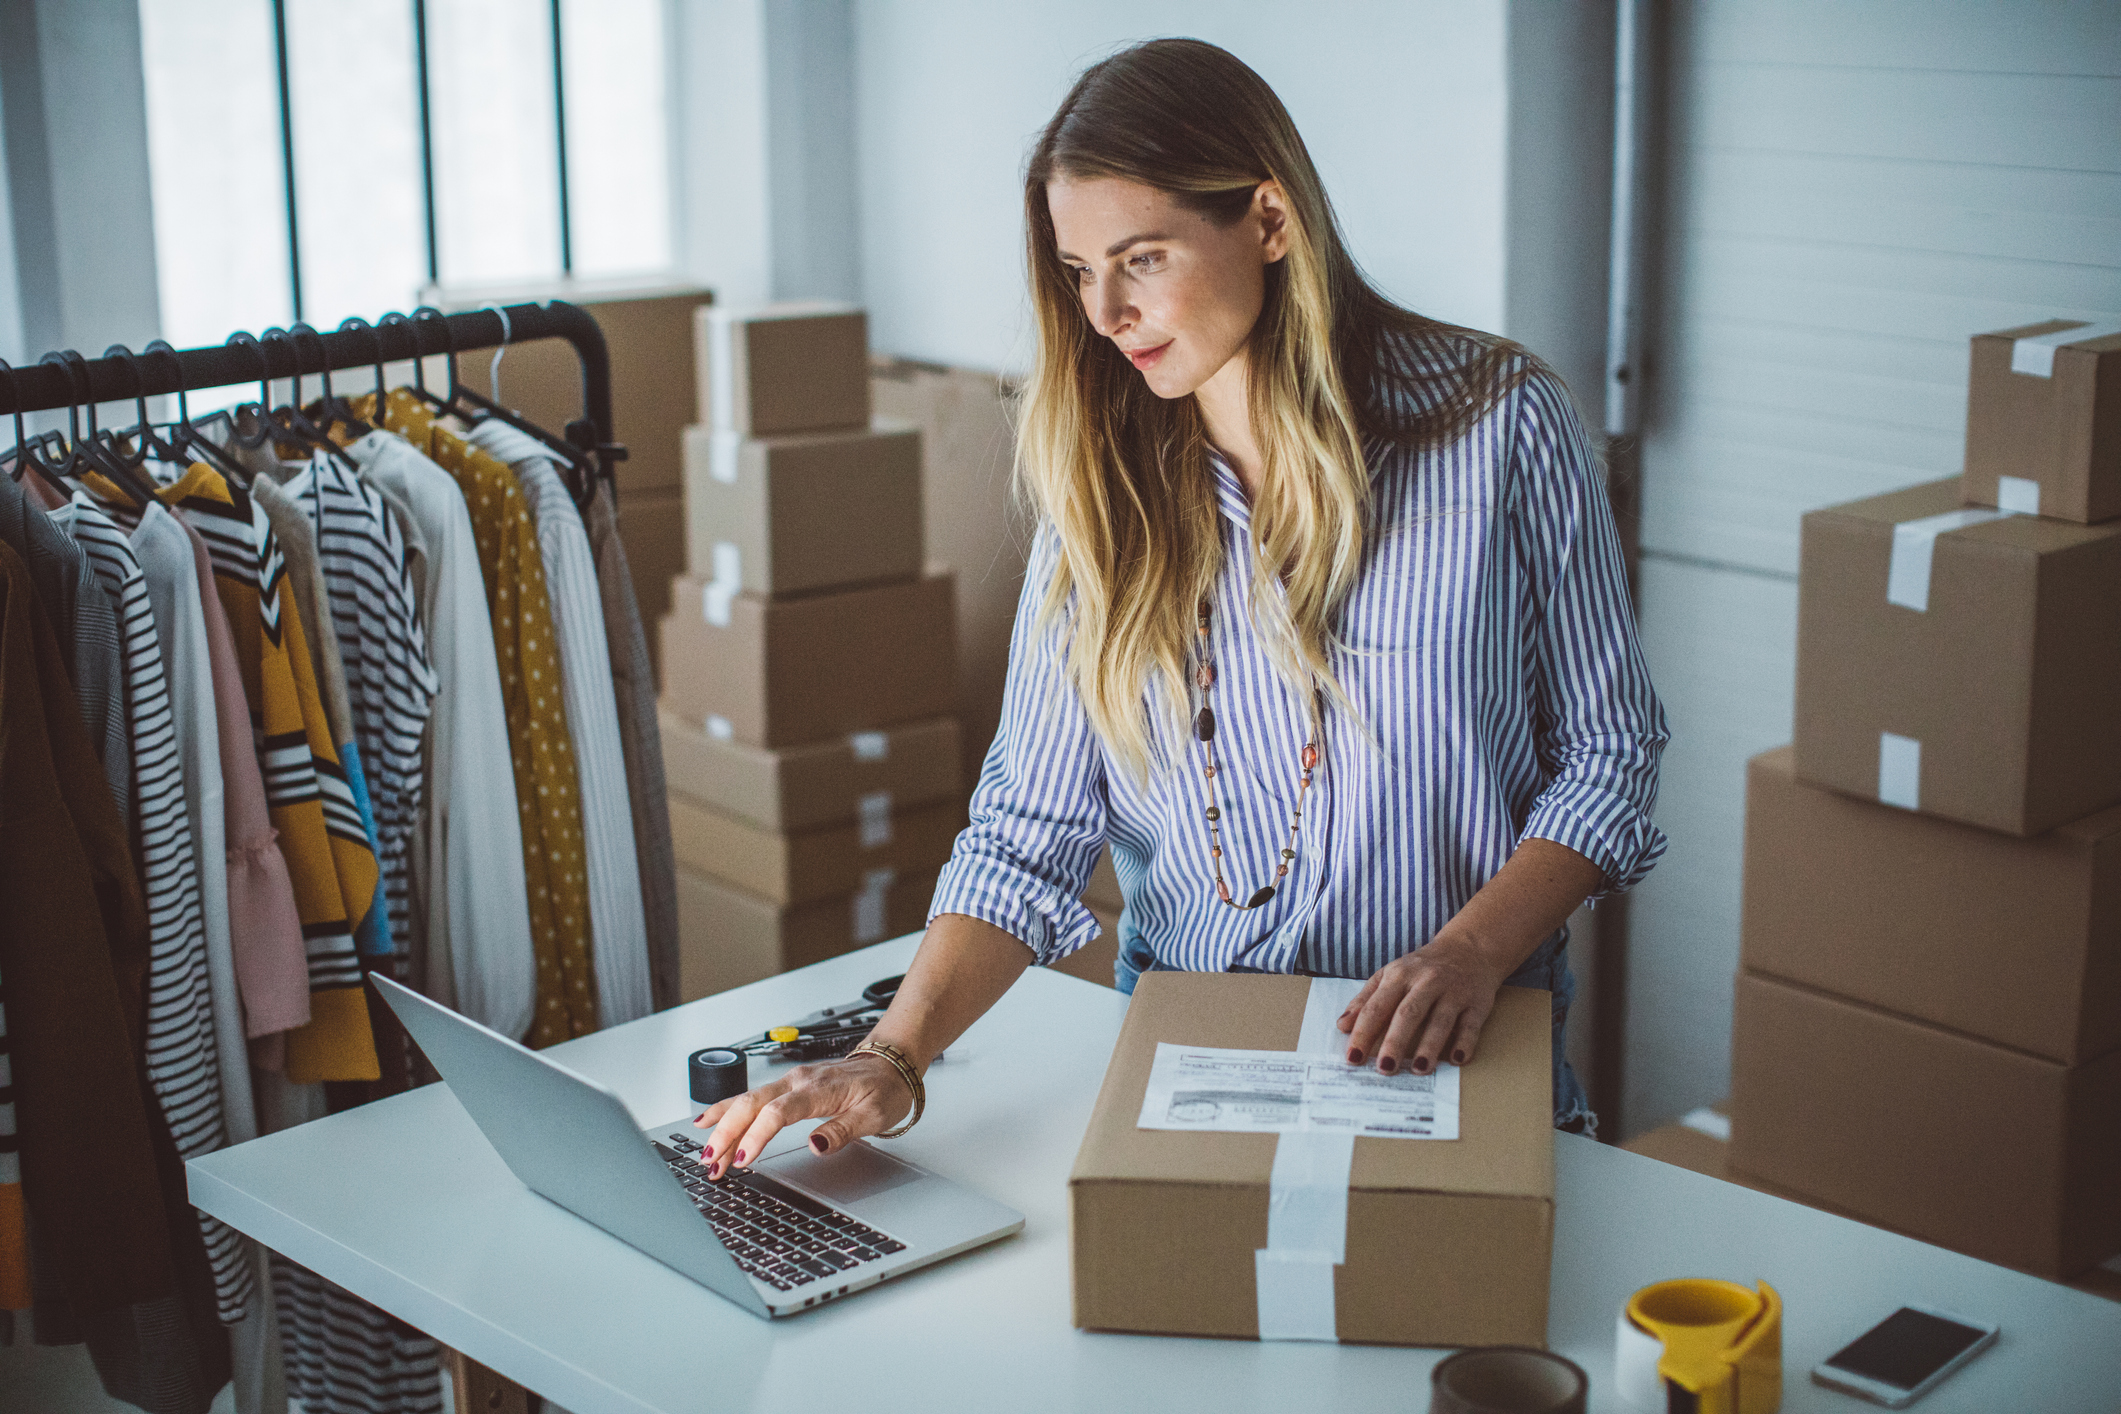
(1547, 967)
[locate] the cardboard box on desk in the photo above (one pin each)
(2043, 420)
(804, 511)
(815, 864)
(835, 782)
(792, 367)
(779, 672)
(1973, 1146)
(2016, 941)
(1448, 1241)
(1960, 662)
(727, 937)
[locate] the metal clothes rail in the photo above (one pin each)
(303, 353)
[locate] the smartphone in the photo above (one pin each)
(1905, 1356)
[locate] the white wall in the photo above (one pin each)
(1854, 190)
(1402, 103)
(74, 118)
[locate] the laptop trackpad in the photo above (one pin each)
(850, 1176)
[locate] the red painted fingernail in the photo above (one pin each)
(817, 1142)
(1458, 1057)
(740, 1156)
(1387, 1064)
(1421, 1065)
(1354, 1055)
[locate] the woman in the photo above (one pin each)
(1325, 626)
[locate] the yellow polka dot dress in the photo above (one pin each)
(547, 784)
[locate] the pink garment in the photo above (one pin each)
(264, 930)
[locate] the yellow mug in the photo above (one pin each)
(1718, 1346)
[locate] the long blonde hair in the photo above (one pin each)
(1122, 476)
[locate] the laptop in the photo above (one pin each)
(790, 1232)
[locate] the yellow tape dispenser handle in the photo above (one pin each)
(1721, 1346)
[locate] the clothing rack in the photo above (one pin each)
(303, 353)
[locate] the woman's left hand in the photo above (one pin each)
(1424, 1008)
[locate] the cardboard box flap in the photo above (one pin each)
(1506, 1143)
(2013, 534)
(2104, 343)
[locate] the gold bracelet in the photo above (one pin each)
(896, 1058)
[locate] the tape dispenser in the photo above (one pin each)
(1701, 1346)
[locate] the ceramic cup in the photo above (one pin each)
(1507, 1379)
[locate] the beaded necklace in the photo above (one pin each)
(1204, 729)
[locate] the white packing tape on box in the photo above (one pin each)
(2019, 495)
(721, 370)
(1307, 1198)
(872, 905)
(2036, 355)
(1899, 771)
(869, 746)
(874, 812)
(728, 581)
(724, 455)
(1907, 575)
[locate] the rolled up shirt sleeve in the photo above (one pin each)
(1599, 729)
(1038, 813)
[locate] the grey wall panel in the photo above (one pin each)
(1852, 191)
(1722, 648)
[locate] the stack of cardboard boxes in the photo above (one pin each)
(808, 659)
(1928, 1027)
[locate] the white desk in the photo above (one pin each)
(405, 1204)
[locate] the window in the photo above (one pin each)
(309, 161)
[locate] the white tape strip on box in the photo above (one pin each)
(727, 582)
(2036, 355)
(1307, 1198)
(724, 450)
(871, 905)
(721, 371)
(874, 812)
(2019, 495)
(1899, 771)
(1907, 576)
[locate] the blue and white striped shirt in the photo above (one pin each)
(1490, 649)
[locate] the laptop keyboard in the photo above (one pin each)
(780, 1236)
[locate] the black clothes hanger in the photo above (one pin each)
(358, 325)
(423, 316)
(185, 437)
(97, 452)
(28, 454)
(332, 409)
(145, 440)
(250, 424)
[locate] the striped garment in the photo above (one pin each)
(390, 684)
(616, 919)
(477, 928)
(1490, 652)
(344, 1356)
(310, 801)
(182, 1066)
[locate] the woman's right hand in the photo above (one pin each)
(855, 1097)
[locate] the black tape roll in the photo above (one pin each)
(717, 1073)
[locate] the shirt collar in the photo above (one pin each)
(1230, 495)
